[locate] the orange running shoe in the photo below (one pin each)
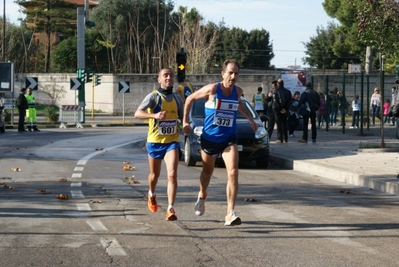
(171, 215)
(152, 203)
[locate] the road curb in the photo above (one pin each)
(383, 184)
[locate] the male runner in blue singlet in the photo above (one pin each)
(219, 136)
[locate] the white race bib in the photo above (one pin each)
(223, 118)
(167, 127)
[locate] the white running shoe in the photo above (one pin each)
(232, 219)
(199, 206)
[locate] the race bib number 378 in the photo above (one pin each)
(223, 118)
(167, 127)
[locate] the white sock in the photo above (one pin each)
(170, 207)
(151, 193)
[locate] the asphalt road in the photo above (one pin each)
(289, 218)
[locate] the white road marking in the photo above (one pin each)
(78, 169)
(76, 184)
(86, 158)
(96, 225)
(77, 194)
(83, 207)
(112, 247)
(76, 175)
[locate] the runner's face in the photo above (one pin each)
(230, 74)
(165, 78)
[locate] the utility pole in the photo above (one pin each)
(81, 57)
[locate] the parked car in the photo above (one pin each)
(251, 146)
(2, 121)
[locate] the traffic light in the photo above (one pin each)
(81, 75)
(181, 60)
(90, 24)
(89, 76)
(97, 79)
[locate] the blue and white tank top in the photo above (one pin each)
(220, 116)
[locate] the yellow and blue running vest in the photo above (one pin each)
(164, 131)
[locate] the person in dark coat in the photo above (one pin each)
(22, 105)
(311, 98)
(269, 111)
(281, 104)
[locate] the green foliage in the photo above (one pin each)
(137, 36)
(7, 116)
(378, 24)
(51, 113)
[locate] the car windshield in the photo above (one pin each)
(199, 110)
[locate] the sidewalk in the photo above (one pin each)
(341, 157)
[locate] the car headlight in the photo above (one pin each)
(260, 132)
(198, 130)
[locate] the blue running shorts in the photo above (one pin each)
(158, 151)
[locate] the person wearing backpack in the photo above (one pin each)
(312, 99)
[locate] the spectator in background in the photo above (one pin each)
(31, 111)
(342, 106)
(334, 106)
(293, 117)
(393, 95)
(281, 104)
(312, 98)
(387, 107)
(375, 105)
(321, 112)
(270, 114)
(22, 105)
(355, 112)
(184, 89)
(259, 101)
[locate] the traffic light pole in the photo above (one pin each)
(81, 56)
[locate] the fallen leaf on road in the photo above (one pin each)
(62, 196)
(8, 187)
(346, 191)
(99, 148)
(63, 180)
(95, 201)
(251, 200)
(43, 191)
(15, 170)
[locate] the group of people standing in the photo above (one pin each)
(283, 110)
(26, 105)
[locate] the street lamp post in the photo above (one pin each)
(383, 57)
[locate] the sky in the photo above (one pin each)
(290, 23)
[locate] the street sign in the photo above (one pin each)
(31, 82)
(75, 84)
(7, 76)
(124, 87)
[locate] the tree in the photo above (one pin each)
(327, 51)
(378, 24)
(197, 38)
(49, 17)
